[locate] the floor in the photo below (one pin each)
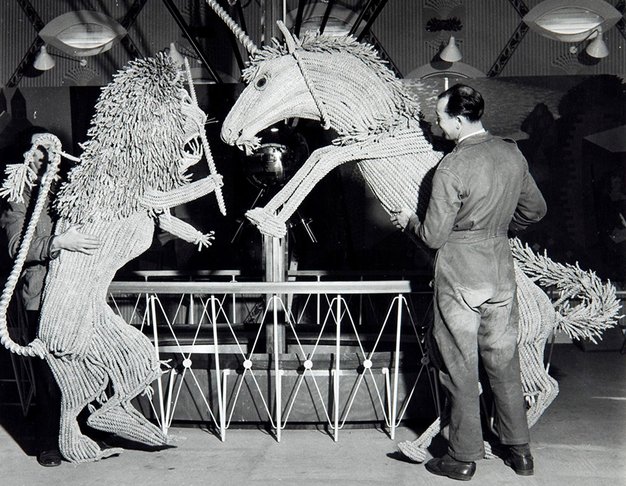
(580, 440)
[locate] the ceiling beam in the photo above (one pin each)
(508, 50)
(127, 21)
(514, 41)
(621, 23)
(359, 18)
(38, 24)
(372, 18)
(329, 7)
(175, 13)
(298, 24)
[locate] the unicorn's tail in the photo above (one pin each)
(586, 306)
(35, 348)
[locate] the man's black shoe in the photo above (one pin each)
(450, 467)
(521, 460)
(49, 458)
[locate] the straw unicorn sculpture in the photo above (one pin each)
(146, 132)
(345, 86)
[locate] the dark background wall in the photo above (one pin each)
(541, 94)
(402, 28)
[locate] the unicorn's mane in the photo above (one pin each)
(311, 42)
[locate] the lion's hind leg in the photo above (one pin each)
(129, 359)
(123, 420)
(80, 383)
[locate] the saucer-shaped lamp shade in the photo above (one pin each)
(571, 20)
(451, 52)
(82, 33)
(597, 48)
(43, 60)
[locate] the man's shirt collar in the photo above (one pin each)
(478, 132)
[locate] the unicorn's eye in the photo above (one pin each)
(261, 83)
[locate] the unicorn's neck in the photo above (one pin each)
(355, 98)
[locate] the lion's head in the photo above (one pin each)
(144, 135)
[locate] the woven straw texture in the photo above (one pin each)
(131, 173)
(351, 91)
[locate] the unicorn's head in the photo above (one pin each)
(275, 88)
(335, 80)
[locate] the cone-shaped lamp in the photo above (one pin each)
(597, 48)
(451, 52)
(176, 56)
(43, 61)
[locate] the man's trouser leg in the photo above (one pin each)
(497, 341)
(456, 330)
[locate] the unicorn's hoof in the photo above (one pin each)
(267, 223)
(257, 215)
(273, 227)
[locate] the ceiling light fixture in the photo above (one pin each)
(572, 20)
(176, 56)
(43, 61)
(82, 33)
(451, 52)
(596, 48)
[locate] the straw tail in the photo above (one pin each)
(586, 305)
(234, 27)
(35, 348)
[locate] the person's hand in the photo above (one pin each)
(74, 240)
(400, 218)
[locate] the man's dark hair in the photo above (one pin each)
(464, 101)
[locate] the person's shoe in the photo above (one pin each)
(520, 460)
(49, 458)
(450, 467)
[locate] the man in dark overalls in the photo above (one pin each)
(44, 246)
(480, 191)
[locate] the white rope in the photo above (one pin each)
(35, 348)
(205, 144)
(235, 29)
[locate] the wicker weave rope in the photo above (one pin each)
(378, 128)
(131, 172)
(13, 189)
(232, 25)
(205, 144)
(375, 117)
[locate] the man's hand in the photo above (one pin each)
(400, 218)
(74, 240)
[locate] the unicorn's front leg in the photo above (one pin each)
(271, 220)
(265, 218)
(294, 184)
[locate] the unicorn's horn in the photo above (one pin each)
(232, 25)
(289, 39)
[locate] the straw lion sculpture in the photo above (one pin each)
(146, 132)
(344, 85)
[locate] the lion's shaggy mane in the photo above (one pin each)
(135, 138)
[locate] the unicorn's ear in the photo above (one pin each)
(290, 40)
